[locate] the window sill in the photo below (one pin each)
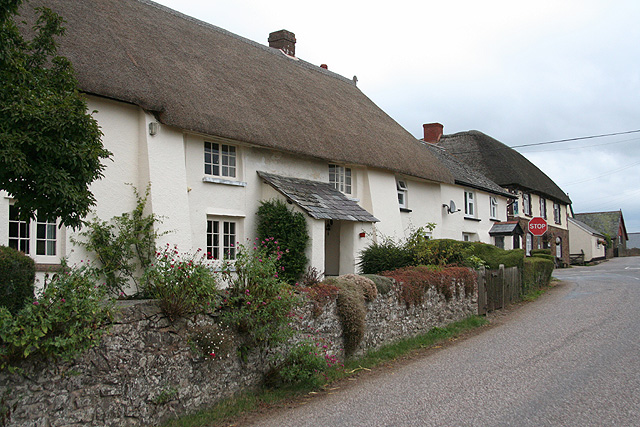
(213, 180)
(405, 210)
(470, 218)
(495, 219)
(47, 267)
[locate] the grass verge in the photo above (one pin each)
(226, 411)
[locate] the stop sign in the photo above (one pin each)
(537, 226)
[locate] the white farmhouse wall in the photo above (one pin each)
(583, 240)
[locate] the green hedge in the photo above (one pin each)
(17, 277)
(536, 273)
(535, 252)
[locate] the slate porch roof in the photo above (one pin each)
(507, 228)
(318, 199)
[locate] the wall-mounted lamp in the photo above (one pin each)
(153, 128)
(363, 234)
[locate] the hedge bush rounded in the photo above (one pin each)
(17, 277)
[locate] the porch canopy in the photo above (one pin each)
(507, 228)
(318, 199)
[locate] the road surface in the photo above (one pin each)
(572, 358)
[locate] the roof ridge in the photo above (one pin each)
(278, 52)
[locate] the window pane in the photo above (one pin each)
(216, 170)
(13, 229)
(51, 247)
(41, 247)
(41, 231)
(51, 231)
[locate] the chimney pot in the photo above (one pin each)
(324, 66)
(283, 40)
(432, 132)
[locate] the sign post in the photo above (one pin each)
(537, 226)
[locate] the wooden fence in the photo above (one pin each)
(498, 288)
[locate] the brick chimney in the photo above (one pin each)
(283, 40)
(432, 132)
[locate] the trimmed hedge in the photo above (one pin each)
(17, 277)
(536, 273)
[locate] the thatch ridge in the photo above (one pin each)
(201, 78)
(501, 163)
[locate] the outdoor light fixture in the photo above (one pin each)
(153, 128)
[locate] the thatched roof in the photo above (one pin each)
(604, 222)
(501, 164)
(201, 78)
(320, 200)
(465, 175)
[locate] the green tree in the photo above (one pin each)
(50, 147)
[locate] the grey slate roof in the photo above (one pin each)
(500, 163)
(507, 228)
(464, 174)
(603, 222)
(586, 227)
(198, 77)
(319, 199)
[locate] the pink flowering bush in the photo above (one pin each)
(66, 318)
(183, 284)
(258, 303)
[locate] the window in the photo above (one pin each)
(516, 208)
(221, 239)
(469, 204)
(556, 213)
(493, 207)
(468, 237)
(402, 193)
(24, 235)
(543, 207)
(18, 231)
(220, 159)
(526, 204)
(340, 178)
(499, 241)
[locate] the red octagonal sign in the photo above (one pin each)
(537, 226)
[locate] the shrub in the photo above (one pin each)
(384, 256)
(305, 364)
(289, 230)
(258, 303)
(415, 281)
(383, 284)
(124, 246)
(320, 294)
(17, 276)
(353, 291)
(493, 256)
(535, 252)
(66, 319)
(182, 284)
(536, 273)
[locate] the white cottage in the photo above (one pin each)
(217, 123)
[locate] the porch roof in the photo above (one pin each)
(507, 228)
(318, 199)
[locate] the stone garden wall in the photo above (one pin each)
(146, 369)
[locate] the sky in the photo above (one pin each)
(521, 72)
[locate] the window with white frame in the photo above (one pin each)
(222, 236)
(469, 204)
(220, 160)
(526, 204)
(402, 193)
(469, 237)
(493, 207)
(557, 217)
(543, 207)
(340, 178)
(34, 238)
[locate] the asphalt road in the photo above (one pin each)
(572, 358)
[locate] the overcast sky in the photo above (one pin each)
(520, 72)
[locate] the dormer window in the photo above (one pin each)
(340, 178)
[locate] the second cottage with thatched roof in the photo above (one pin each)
(536, 194)
(217, 123)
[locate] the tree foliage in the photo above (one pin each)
(50, 147)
